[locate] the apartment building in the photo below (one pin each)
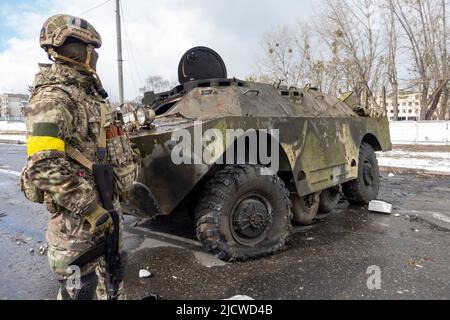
(408, 107)
(12, 106)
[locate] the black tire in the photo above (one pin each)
(242, 214)
(305, 208)
(329, 200)
(366, 187)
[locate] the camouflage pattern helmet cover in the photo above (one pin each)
(58, 28)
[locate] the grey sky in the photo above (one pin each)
(156, 34)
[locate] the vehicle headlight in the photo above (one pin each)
(140, 115)
(145, 115)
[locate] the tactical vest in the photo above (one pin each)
(97, 127)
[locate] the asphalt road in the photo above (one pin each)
(328, 260)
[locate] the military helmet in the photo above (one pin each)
(59, 27)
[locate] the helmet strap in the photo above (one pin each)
(56, 56)
(53, 55)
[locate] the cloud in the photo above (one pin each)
(156, 34)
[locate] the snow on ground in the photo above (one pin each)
(426, 161)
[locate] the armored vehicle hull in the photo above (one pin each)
(209, 145)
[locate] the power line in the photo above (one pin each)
(95, 7)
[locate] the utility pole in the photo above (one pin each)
(119, 52)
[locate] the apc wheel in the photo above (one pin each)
(305, 208)
(365, 187)
(243, 214)
(329, 200)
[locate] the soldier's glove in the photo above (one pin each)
(100, 220)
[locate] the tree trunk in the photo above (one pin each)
(444, 104)
(395, 99)
(434, 104)
(385, 112)
(434, 99)
(424, 103)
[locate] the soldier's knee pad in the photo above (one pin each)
(85, 290)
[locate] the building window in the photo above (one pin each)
(410, 111)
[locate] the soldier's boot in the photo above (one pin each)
(86, 290)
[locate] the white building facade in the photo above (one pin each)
(12, 106)
(408, 107)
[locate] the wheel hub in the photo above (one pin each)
(367, 173)
(250, 219)
(308, 201)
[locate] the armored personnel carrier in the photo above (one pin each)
(247, 159)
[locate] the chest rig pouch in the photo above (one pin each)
(113, 146)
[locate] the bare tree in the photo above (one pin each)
(157, 83)
(424, 24)
(445, 60)
(349, 28)
(391, 61)
(286, 56)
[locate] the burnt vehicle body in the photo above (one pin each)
(322, 144)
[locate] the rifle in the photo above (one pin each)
(104, 179)
(108, 245)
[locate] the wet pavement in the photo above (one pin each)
(328, 260)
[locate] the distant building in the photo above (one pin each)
(12, 106)
(408, 107)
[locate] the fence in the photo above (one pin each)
(420, 132)
(402, 132)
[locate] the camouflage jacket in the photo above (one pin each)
(64, 109)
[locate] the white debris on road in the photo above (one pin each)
(144, 273)
(240, 297)
(380, 206)
(426, 161)
(43, 249)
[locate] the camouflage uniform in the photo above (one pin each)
(64, 110)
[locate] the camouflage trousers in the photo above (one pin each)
(68, 236)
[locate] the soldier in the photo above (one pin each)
(69, 126)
